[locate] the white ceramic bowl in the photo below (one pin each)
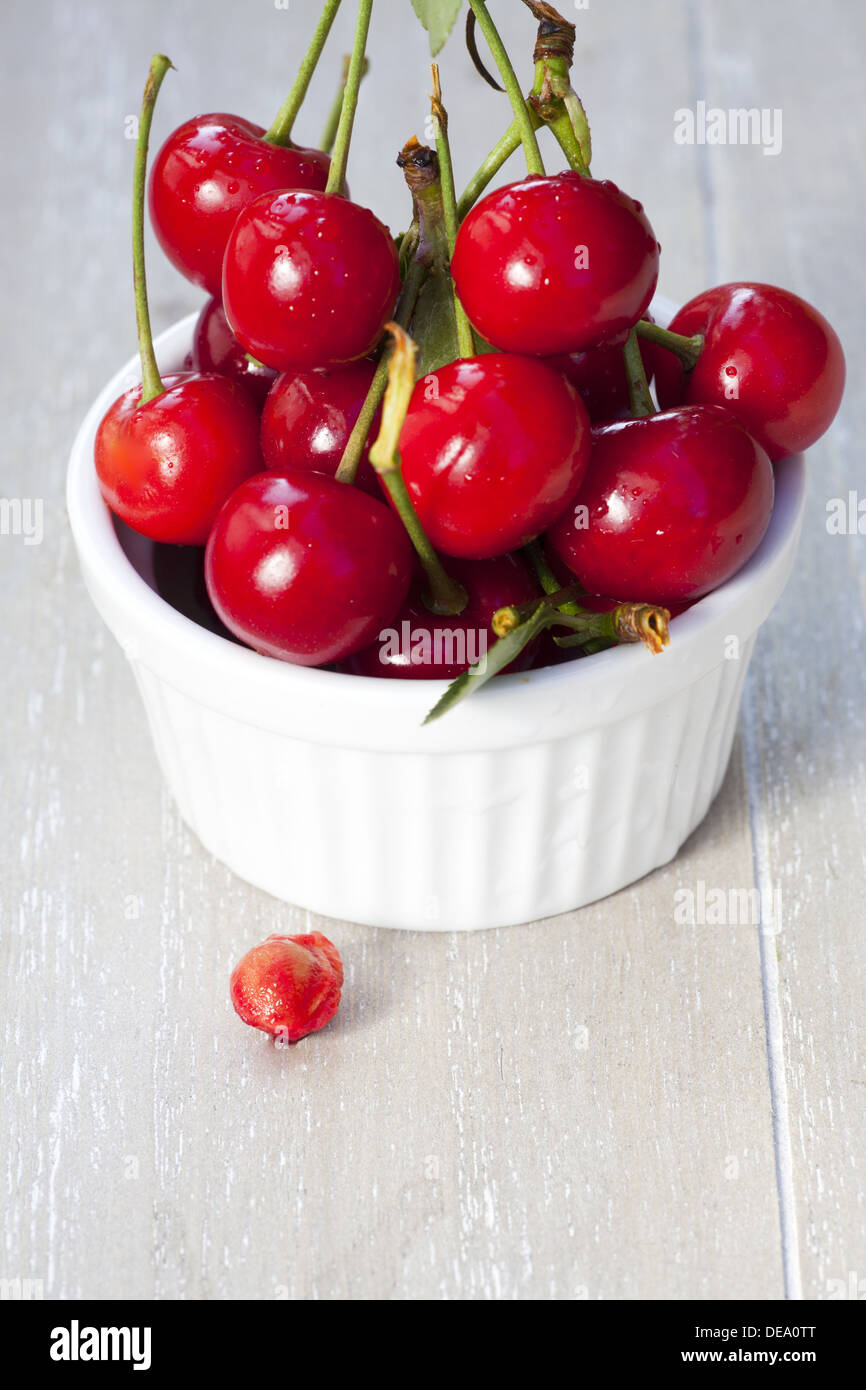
(539, 794)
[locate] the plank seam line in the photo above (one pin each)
(771, 996)
(762, 880)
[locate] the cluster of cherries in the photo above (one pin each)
(533, 466)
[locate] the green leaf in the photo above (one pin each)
(434, 325)
(500, 655)
(438, 18)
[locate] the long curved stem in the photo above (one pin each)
(151, 381)
(534, 162)
(340, 158)
(446, 596)
(280, 132)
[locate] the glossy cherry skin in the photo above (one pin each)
(216, 349)
(674, 504)
(309, 280)
(768, 357)
(207, 171)
(600, 376)
(288, 986)
(309, 416)
(166, 467)
(421, 649)
(306, 569)
(555, 265)
(493, 450)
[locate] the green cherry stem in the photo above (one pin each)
(688, 350)
(525, 125)
(151, 381)
(329, 134)
(553, 96)
(515, 628)
(543, 573)
(280, 133)
(465, 338)
(498, 156)
(445, 596)
(349, 463)
(627, 623)
(557, 104)
(630, 622)
(340, 158)
(638, 390)
(443, 150)
(534, 553)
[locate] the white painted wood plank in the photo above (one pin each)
(796, 220)
(580, 1109)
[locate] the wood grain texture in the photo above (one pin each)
(610, 1104)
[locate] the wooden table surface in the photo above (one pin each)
(605, 1105)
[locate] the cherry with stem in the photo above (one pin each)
(445, 596)
(768, 357)
(213, 165)
(296, 259)
(169, 452)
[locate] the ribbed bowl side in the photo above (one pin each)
(445, 842)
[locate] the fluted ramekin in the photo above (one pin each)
(542, 793)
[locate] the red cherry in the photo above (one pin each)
(309, 280)
(216, 349)
(768, 357)
(288, 986)
(421, 646)
(166, 467)
(672, 506)
(306, 569)
(207, 171)
(309, 416)
(555, 265)
(493, 450)
(600, 376)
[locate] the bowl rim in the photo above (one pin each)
(738, 606)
